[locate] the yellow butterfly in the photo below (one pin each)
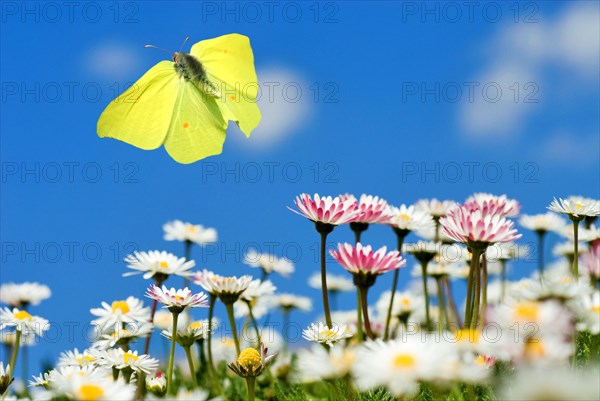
(186, 103)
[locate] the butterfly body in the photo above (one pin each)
(179, 103)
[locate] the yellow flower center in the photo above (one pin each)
(527, 311)
(196, 325)
(403, 216)
(90, 392)
(534, 348)
(345, 361)
(404, 361)
(405, 301)
(596, 309)
(178, 298)
(191, 228)
(123, 306)
(578, 205)
(469, 335)
(163, 265)
(480, 360)
(23, 315)
(328, 334)
(249, 358)
(85, 358)
(130, 358)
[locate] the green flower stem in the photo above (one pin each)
(473, 271)
(324, 291)
(575, 221)
(188, 353)
(441, 303)
(484, 284)
(15, 353)
(229, 308)
(477, 297)
(172, 353)
(452, 309)
(540, 236)
(211, 311)
(254, 322)
(250, 381)
(359, 322)
(425, 294)
(115, 373)
(365, 309)
(400, 235)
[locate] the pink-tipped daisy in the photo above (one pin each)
(371, 209)
(362, 260)
(326, 209)
(492, 204)
(177, 300)
(474, 226)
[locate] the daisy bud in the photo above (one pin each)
(5, 379)
(157, 384)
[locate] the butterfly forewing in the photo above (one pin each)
(142, 114)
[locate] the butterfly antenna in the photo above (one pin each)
(183, 44)
(155, 47)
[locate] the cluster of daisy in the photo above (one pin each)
(417, 341)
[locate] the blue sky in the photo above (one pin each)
(393, 100)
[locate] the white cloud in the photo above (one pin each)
(565, 149)
(523, 53)
(112, 60)
(285, 104)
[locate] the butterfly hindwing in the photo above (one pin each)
(141, 116)
(229, 64)
(197, 128)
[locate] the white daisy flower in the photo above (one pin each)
(228, 289)
(188, 336)
(177, 230)
(269, 263)
(290, 301)
(316, 363)
(405, 303)
(435, 208)
(320, 333)
(559, 384)
(584, 235)
(257, 289)
(410, 218)
(130, 310)
(335, 283)
(24, 294)
(86, 389)
(23, 321)
(177, 300)
(400, 365)
(158, 265)
(60, 378)
(543, 222)
(260, 307)
(118, 335)
(119, 359)
(494, 204)
(76, 358)
(576, 206)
